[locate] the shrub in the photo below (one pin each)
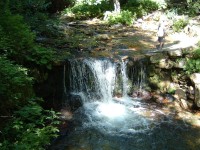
(41, 56)
(16, 37)
(29, 7)
(193, 63)
(194, 8)
(141, 8)
(124, 17)
(179, 25)
(15, 86)
(31, 127)
(87, 10)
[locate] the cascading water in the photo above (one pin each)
(116, 123)
(124, 78)
(92, 78)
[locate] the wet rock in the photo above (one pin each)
(66, 114)
(75, 101)
(169, 98)
(180, 94)
(163, 99)
(158, 98)
(142, 94)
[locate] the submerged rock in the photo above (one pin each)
(142, 94)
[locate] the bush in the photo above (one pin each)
(193, 63)
(31, 128)
(16, 37)
(15, 86)
(124, 17)
(194, 8)
(85, 10)
(141, 8)
(29, 7)
(179, 25)
(40, 56)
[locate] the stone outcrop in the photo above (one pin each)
(168, 76)
(195, 78)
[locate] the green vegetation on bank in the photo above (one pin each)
(193, 62)
(26, 124)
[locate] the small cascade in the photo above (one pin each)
(125, 83)
(80, 80)
(92, 79)
(100, 79)
(104, 72)
(64, 96)
(137, 74)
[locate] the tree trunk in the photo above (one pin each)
(116, 6)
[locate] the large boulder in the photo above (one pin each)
(195, 78)
(176, 53)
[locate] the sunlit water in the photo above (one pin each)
(105, 122)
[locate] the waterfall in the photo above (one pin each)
(137, 75)
(125, 84)
(100, 79)
(93, 79)
(104, 72)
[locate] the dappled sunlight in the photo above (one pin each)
(182, 41)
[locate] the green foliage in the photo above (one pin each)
(194, 8)
(17, 42)
(124, 17)
(16, 37)
(15, 86)
(32, 127)
(141, 7)
(193, 63)
(33, 11)
(188, 7)
(179, 24)
(29, 7)
(86, 10)
(41, 56)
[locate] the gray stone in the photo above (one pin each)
(197, 94)
(180, 64)
(103, 37)
(195, 78)
(165, 63)
(176, 53)
(183, 104)
(180, 93)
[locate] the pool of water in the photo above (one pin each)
(127, 124)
